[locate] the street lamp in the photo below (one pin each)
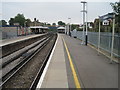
(69, 27)
(35, 24)
(85, 36)
(25, 26)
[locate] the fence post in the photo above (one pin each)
(113, 32)
(99, 38)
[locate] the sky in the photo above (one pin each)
(53, 11)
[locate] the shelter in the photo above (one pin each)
(61, 29)
(38, 29)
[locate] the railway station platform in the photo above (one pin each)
(17, 39)
(55, 74)
(72, 65)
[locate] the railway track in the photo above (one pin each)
(7, 50)
(25, 67)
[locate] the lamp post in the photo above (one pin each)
(35, 24)
(25, 27)
(85, 36)
(69, 26)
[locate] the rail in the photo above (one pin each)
(29, 53)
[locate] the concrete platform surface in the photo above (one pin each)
(56, 75)
(93, 71)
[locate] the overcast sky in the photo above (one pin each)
(54, 11)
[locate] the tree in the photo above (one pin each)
(3, 22)
(28, 21)
(116, 8)
(74, 26)
(54, 24)
(11, 21)
(48, 24)
(19, 19)
(61, 23)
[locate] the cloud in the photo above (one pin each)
(59, 0)
(54, 11)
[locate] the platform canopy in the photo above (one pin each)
(40, 27)
(60, 28)
(106, 17)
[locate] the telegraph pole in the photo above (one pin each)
(85, 36)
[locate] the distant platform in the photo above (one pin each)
(17, 39)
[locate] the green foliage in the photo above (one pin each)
(3, 23)
(116, 8)
(11, 21)
(74, 26)
(79, 29)
(54, 24)
(48, 24)
(28, 21)
(17, 19)
(61, 23)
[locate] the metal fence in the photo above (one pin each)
(105, 40)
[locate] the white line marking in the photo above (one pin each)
(47, 65)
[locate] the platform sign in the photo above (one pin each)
(106, 23)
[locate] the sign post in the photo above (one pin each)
(113, 33)
(105, 18)
(99, 37)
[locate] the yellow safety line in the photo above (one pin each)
(77, 84)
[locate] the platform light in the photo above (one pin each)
(69, 26)
(85, 36)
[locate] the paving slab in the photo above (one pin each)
(56, 75)
(93, 70)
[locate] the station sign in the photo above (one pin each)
(105, 22)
